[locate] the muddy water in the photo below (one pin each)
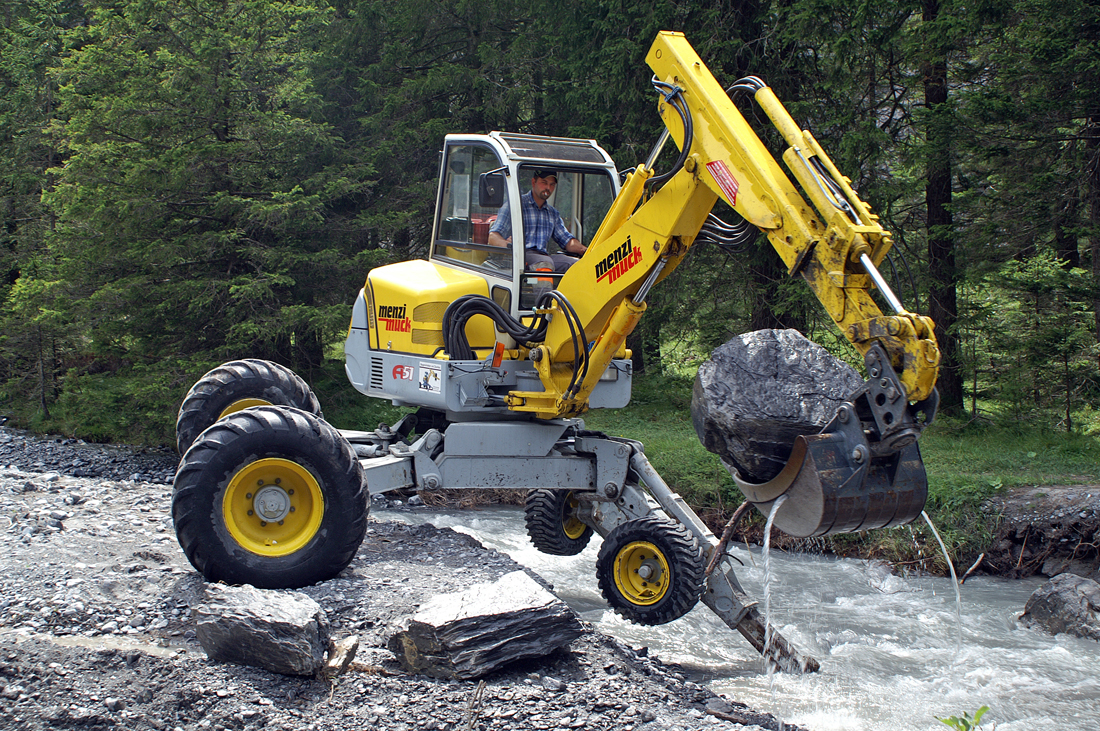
(888, 645)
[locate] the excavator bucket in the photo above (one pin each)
(862, 471)
(827, 491)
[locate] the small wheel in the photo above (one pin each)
(552, 522)
(271, 496)
(235, 386)
(650, 570)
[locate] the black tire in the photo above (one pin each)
(237, 385)
(552, 522)
(287, 463)
(655, 544)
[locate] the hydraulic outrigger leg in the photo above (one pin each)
(723, 593)
(629, 493)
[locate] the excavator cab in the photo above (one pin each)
(397, 337)
(481, 182)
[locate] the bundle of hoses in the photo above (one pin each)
(459, 312)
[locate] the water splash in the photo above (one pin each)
(954, 583)
(767, 591)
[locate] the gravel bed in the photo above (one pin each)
(78, 458)
(96, 629)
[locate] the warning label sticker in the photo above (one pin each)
(725, 179)
(428, 378)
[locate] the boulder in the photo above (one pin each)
(1067, 603)
(474, 632)
(284, 632)
(759, 391)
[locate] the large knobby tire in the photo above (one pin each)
(650, 570)
(552, 522)
(270, 496)
(235, 386)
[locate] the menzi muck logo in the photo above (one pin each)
(393, 317)
(618, 262)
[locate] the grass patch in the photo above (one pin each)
(129, 404)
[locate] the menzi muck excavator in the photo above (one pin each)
(500, 363)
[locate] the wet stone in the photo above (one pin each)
(759, 391)
(1067, 603)
(472, 633)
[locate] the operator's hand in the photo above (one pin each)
(575, 247)
(496, 239)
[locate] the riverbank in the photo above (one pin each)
(1020, 530)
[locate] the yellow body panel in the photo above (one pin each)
(406, 302)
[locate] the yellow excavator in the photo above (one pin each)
(499, 363)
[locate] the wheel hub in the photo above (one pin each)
(271, 503)
(649, 570)
(641, 573)
(273, 507)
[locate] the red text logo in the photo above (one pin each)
(618, 262)
(393, 318)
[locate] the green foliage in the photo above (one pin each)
(200, 180)
(1039, 341)
(965, 723)
(196, 178)
(659, 416)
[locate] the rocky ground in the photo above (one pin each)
(96, 629)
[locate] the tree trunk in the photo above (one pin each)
(1065, 235)
(1092, 197)
(767, 274)
(943, 301)
(43, 393)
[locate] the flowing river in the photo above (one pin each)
(893, 653)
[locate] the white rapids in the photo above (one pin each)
(888, 645)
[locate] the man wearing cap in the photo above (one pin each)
(541, 222)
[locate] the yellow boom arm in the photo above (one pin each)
(834, 242)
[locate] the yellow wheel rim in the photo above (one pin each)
(572, 526)
(273, 507)
(641, 573)
(241, 405)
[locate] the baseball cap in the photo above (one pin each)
(545, 173)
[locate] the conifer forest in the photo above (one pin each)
(185, 182)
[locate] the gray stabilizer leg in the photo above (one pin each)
(726, 599)
(724, 594)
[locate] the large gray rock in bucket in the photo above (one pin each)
(472, 633)
(284, 632)
(759, 391)
(1067, 603)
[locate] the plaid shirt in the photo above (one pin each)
(539, 224)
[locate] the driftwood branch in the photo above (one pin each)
(972, 569)
(727, 533)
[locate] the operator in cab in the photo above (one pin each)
(541, 222)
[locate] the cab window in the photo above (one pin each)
(462, 231)
(583, 198)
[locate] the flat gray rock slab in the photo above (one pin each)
(1067, 603)
(284, 632)
(472, 633)
(760, 390)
